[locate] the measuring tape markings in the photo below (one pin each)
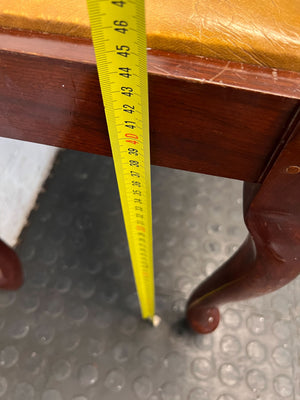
(118, 32)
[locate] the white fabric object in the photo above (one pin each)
(24, 167)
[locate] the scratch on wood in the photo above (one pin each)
(220, 73)
(164, 71)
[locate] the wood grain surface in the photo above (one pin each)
(206, 116)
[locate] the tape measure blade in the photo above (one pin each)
(118, 32)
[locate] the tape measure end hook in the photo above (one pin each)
(156, 321)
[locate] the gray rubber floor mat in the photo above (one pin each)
(74, 332)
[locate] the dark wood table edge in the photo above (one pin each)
(161, 63)
(166, 65)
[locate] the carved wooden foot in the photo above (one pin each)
(11, 276)
(270, 256)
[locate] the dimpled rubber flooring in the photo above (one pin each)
(73, 332)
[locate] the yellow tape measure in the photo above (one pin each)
(119, 37)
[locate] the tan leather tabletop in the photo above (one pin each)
(263, 32)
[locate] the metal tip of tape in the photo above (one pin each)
(156, 320)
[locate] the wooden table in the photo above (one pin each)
(206, 115)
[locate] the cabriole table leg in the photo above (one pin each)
(270, 256)
(11, 276)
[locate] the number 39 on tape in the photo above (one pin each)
(119, 38)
